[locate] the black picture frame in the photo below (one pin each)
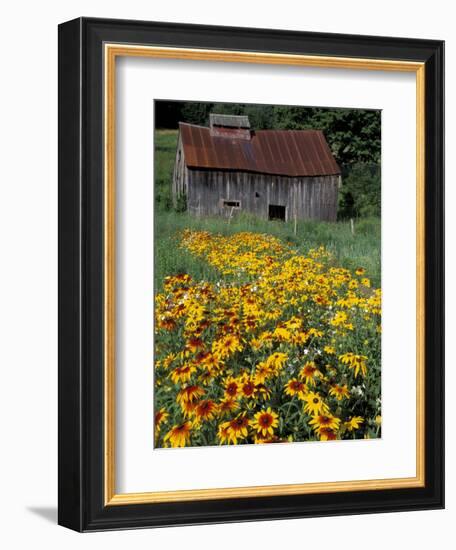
(81, 325)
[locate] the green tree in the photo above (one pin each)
(354, 135)
(360, 195)
(196, 113)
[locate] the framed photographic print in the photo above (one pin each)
(250, 274)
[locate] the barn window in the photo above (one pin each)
(276, 212)
(232, 204)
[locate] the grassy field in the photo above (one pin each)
(165, 154)
(351, 251)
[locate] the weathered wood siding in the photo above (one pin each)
(206, 191)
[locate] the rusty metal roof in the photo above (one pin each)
(278, 152)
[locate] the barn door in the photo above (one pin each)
(277, 212)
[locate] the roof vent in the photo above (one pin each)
(229, 121)
(229, 126)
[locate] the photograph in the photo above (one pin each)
(267, 274)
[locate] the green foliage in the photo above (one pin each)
(360, 195)
(165, 154)
(354, 135)
(196, 113)
(181, 203)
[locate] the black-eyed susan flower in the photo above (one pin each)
(189, 393)
(182, 374)
(167, 323)
(321, 300)
(309, 372)
(238, 428)
(295, 387)
(194, 344)
(262, 391)
(205, 409)
(326, 434)
(206, 377)
(282, 334)
(200, 357)
(265, 421)
(255, 344)
(277, 360)
(232, 387)
(300, 338)
(355, 362)
(247, 386)
(326, 420)
(354, 423)
(179, 435)
(316, 333)
(226, 346)
(160, 417)
(228, 406)
(212, 362)
(265, 338)
(187, 408)
(223, 433)
(250, 323)
(294, 323)
(339, 391)
(341, 320)
(314, 403)
(263, 371)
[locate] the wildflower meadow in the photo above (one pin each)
(278, 346)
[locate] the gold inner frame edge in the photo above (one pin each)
(111, 52)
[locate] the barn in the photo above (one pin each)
(228, 167)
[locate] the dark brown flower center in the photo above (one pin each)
(231, 389)
(265, 420)
(248, 388)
